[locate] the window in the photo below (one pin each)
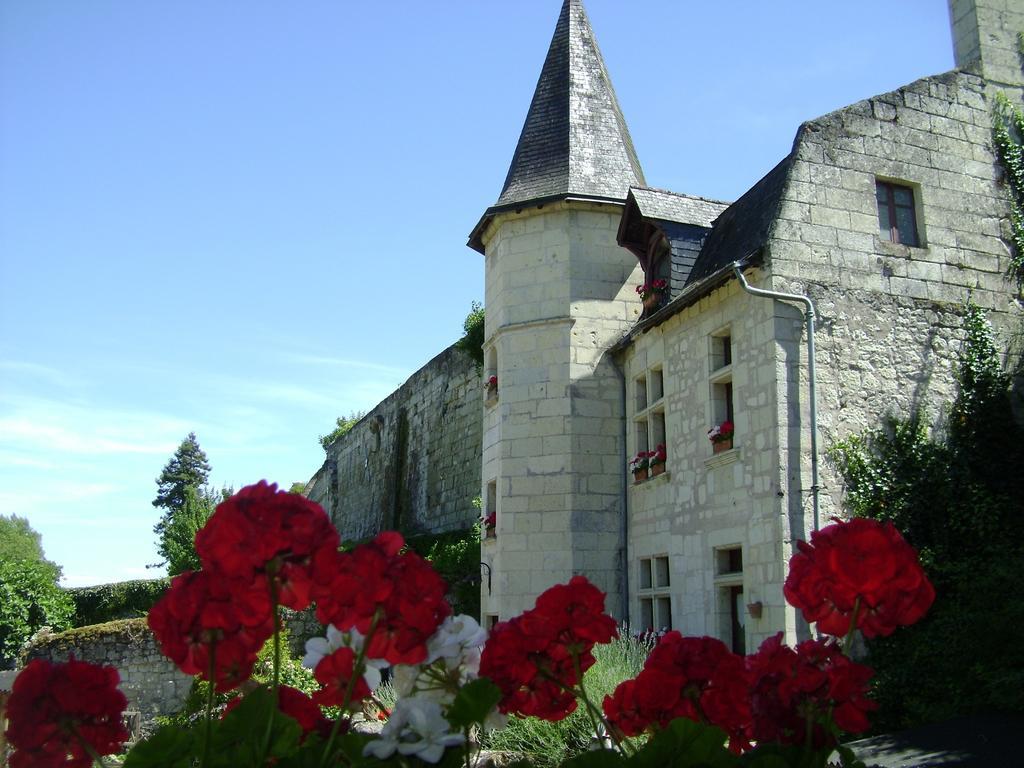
(491, 511)
(729, 587)
(649, 418)
(655, 599)
(897, 217)
(722, 412)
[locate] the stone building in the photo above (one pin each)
(886, 216)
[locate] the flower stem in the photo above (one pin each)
(357, 671)
(91, 751)
(848, 638)
(210, 694)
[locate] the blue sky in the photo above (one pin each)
(244, 219)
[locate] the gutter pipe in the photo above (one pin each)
(809, 316)
(624, 490)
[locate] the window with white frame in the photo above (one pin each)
(654, 594)
(649, 411)
(732, 620)
(720, 379)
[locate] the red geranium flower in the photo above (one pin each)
(262, 533)
(334, 673)
(698, 678)
(397, 593)
(205, 619)
(859, 563)
(537, 657)
(55, 709)
(793, 688)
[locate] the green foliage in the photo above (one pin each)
(342, 427)
(456, 556)
(472, 341)
(187, 468)
(546, 743)
(122, 600)
(956, 498)
(18, 541)
(1008, 134)
(29, 599)
(177, 542)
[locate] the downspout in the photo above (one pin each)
(809, 316)
(624, 491)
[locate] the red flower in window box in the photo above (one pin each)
(722, 432)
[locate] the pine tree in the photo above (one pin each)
(186, 469)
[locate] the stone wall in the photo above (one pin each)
(411, 464)
(150, 681)
(889, 314)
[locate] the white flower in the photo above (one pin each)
(416, 727)
(456, 636)
(319, 647)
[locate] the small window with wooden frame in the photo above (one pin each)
(649, 424)
(897, 213)
(723, 415)
(731, 618)
(654, 594)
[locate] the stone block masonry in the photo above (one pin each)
(151, 682)
(412, 464)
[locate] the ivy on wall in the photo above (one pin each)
(955, 494)
(1008, 135)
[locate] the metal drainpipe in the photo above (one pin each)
(810, 314)
(625, 494)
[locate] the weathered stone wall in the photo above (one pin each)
(890, 323)
(150, 681)
(411, 464)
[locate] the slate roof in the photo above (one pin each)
(744, 226)
(575, 142)
(663, 205)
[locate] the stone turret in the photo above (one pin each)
(559, 293)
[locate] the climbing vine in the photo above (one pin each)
(1008, 134)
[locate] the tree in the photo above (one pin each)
(342, 426)
(18, 541)
(187, 468)
(29, 595)
(472, 341)
(177, 542)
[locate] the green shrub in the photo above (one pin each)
(29, 599)
(472, 340)
(121, 600)
(456, 556)
(956, 498)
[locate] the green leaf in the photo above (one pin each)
(599, 758)
(169, 747)
(686, 744)
(243, 739)
(473, 703)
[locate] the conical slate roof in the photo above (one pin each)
(574, 142)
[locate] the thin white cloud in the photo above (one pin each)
(342, 362)
(34, 434)
(36, 371)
